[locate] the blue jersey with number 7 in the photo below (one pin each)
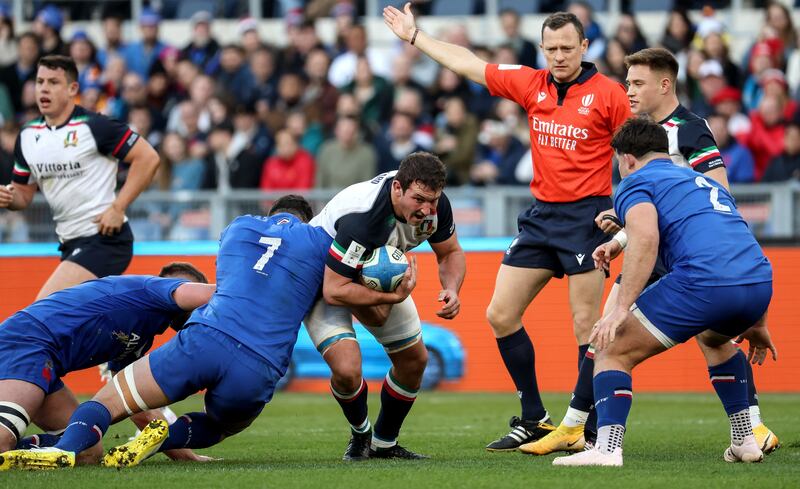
(269, 274)
(702, 237)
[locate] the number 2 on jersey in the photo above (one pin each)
(272, 245)
(714, 197)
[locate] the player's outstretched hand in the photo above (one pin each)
(187, 455)
(760, 342)
(6, 196)
(401, 23)
(110, 221)
(409, 281)
(608, 222)
(451, 304)
(605, 331)
(604, 253)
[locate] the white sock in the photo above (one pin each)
(740, 426)
(609, 438)
(574, 417)
(755, 415)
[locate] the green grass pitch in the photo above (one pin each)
(674, 441)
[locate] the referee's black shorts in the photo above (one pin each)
(101, 255)
(558, 236)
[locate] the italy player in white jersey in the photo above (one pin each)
(403, 209)
(72, 155)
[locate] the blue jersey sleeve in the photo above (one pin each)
(160, 292)
(633, 190)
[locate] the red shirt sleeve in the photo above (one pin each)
(306, 169)
(513, 82)
(619, 106)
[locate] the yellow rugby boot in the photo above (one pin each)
(563, 439)
(140, 448)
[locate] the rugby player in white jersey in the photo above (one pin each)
(72, 155)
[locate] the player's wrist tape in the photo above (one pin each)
(414, 37)
(621, 238)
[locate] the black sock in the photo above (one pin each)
(583, 394)
(752, 394)
(396, 402)
(354, 407)
(520, 359)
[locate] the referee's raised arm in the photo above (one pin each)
(456, 58)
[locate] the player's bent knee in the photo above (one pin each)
(14, 420)
(346, 379)
(502, 323)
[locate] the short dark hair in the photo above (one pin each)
(294, 204)
(177, 268)
(422, 167)
(560, 19)
(657, 59)
(639, 136)
(59, 62)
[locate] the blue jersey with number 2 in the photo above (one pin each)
(269, 273)
(702, 236)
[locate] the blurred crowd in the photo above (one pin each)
(310, 114)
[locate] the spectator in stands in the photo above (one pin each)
(715, 47)
(84, 53)
(47, 26)
(310, 134)
(8, 44)
(140, 55)
(524, 48)
(162, 89)
(629, 34)
(793, 74)
(290, 168)
(249, 36)
(343, 68)
(594, 34)
(200, 92)
(410, 102)
(765, 139)
(402, 77)
(738, 159)
(348, 106)
(234, 74)
(320, 96)
(779, 18)
(346, 159)
(448, 84)
(202, 48)
(678, 33)
(226, 169)
(250, 135)
(190, 130)
(140, 118)
(14, 76)
(499, 152)
(423, 69)
(112, 32)
(374, 94)
(92, 97)
(711, 80)
(184, 171)
(511, 114)
(265, 79)
(728, 102)
(302, 40)
(764, 55)
(786, 166)
(291, 87)
(394, 144)
(8, 136)
(456, 140)
(614, 60)
(344, 16)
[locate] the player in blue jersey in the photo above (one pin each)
(269, 273)
(718, 284)
(113, 319)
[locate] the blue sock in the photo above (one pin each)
(40, 440)
(730, 381)
(752, 393)
(193, 430)
(86, 427)
(613, 397)
(518, 355)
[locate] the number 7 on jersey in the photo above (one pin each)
(272, 245)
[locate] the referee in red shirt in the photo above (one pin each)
(573, 112)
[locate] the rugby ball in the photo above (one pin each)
(383, 270)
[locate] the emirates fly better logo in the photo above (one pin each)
(586, 101)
